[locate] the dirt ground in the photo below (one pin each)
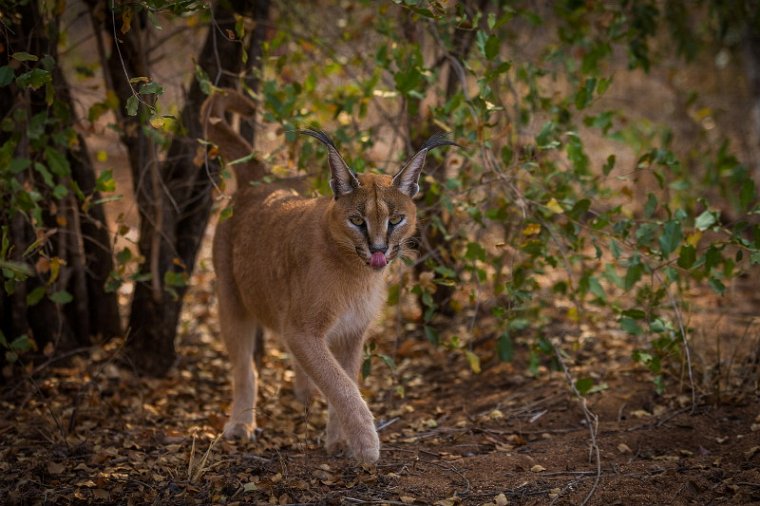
(86, 430)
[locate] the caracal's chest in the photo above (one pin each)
(358, 313)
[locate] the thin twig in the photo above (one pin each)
(591, 419)
(682, 333)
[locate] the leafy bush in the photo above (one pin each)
(532, 222)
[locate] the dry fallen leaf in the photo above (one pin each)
(624, 448)
(538, 468)
(55, 468)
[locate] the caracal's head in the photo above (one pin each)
(373, 215)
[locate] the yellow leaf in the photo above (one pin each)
(474, 361)
(572, 314)
(694, 238)
(496, 414)
(554, 206)
(156, 121)
(532, 229)
(101, 155)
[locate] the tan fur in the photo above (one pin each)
(298, 267)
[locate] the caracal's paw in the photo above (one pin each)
(238, 430)
(365, 446)
(335, 446)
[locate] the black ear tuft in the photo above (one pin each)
(319, 135)
(407, 179)
(439, 139)
(343, 180)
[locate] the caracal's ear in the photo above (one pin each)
(407, 179)
(343, 180)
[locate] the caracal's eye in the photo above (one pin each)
(396, 219)
(356, 220)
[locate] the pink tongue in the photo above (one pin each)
(377, 260)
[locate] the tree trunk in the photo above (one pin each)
(75, 233)
(174, 197)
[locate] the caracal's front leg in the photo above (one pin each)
(342, 393)
(347, 349)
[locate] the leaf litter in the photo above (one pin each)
(87, 430)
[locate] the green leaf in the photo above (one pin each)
(607, 168)
(432, 335)
(22, 344)
(388, 361)
(630, 325)
(584, 385)
(651, 206)
(670, 238)
(226, 213)
(18, 165)
(367, 367)
(61, 297)
(636, 314)
(47, 177)
(132, 104)
(717, 285)
(34, 79)
(595, 287)
(60, 191)
(706, 220)
(585, 94)
(105, 182)
(687, 257)
(505, 348)
(713, 257)
(633, 275)
(491, 47)
(579, 209)
(57, 162)
(36, 295)
(475, 252)
(174, 278)
(747, 194)
(6, 75)
(151, 88)
(124, 256)
(24, 56)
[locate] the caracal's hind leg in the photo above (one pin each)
(258, 347)
(303, 387)
(239, 335)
